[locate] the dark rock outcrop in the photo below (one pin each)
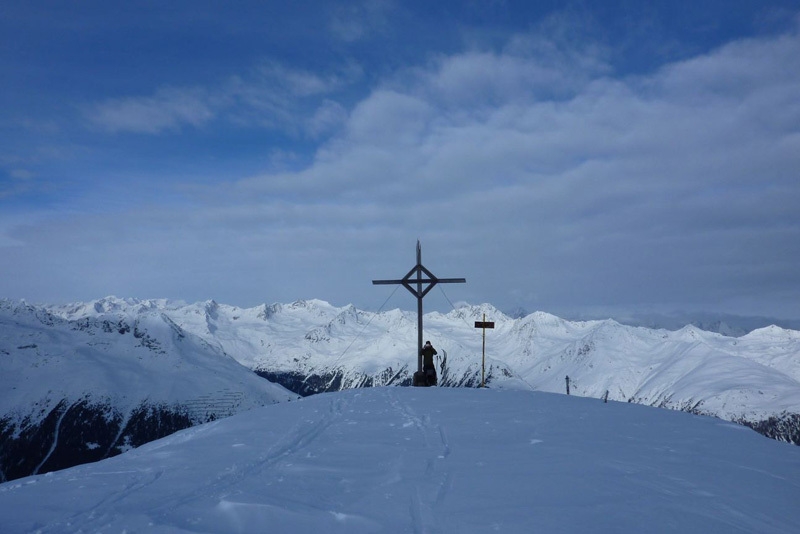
(783, 427)
(74, 433)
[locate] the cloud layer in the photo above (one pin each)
(534, 169)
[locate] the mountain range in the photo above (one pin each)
(86, 381)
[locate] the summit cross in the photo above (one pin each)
(414, 282)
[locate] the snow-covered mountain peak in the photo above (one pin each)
(396, 319)
(546, 324)
(111, 305)
(23, 311)
(772, 332)
(543, 317)
(692, 334)
(311, 310)
(348, 315)
(266, 311)
(17, 306)
(476, 312)
(312, 305)
(610, 331)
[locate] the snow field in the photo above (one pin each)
(429, 460)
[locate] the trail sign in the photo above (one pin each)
(484, 325)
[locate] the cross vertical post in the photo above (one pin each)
(414, 281)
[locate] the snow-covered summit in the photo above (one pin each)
(773, 332)
(114, 305)
(429, 460)
(476, 313)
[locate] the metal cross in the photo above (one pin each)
(414, 281)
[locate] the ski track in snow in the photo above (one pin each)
(221, 489)
(297, 438)
(436, 480)
(304, 433)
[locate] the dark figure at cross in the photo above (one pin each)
(414, 282)
(428, 352)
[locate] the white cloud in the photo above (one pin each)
(167, 109)
(360, 20)
(328, 117)
(389, 117)
(271, 95)
(21, 174)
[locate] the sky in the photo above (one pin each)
(570, 157)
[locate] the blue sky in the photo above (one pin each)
(566, 157)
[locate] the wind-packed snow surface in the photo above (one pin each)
(429, 460)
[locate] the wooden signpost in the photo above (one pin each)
(484, 325)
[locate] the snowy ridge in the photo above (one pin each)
(129, 354)
(121, 374)
(748, 378)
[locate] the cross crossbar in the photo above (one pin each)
(424, 281)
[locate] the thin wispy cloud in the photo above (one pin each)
(167, 109)
(270, 95)
(360, 20)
